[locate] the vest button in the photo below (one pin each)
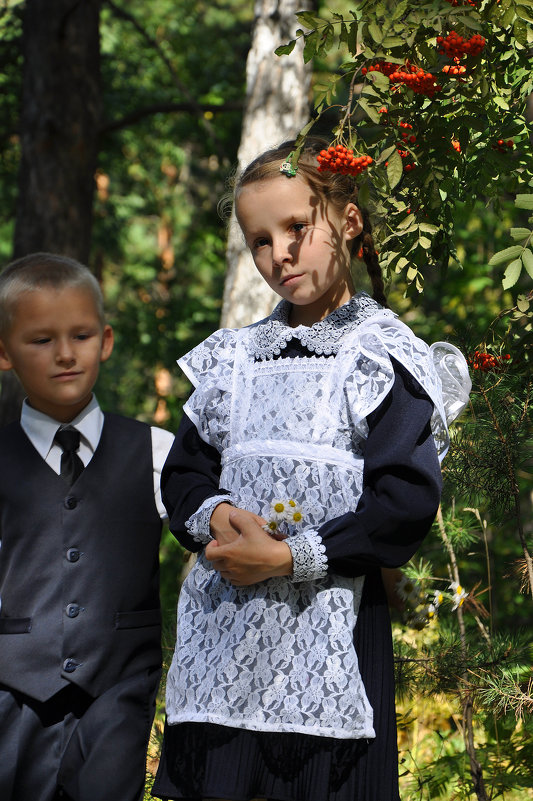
(72, 610)
(73, 554)
(70, 665)
(71, 502)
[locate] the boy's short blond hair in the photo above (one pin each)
(44, 270)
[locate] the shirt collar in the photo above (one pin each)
(41, 429)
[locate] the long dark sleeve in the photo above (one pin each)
(401, 486)
(190, 476)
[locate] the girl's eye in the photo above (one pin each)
(41, 340)
(298, 227)
(260, 243)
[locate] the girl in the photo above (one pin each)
(281, 685)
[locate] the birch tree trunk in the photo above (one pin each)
(277, 106)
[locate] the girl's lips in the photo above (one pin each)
(290, 279)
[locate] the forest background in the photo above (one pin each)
(118, 152)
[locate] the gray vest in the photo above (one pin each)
(79, 568)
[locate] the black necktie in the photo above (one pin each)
(68, 440)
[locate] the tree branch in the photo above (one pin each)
(166, 108)
(193, 103)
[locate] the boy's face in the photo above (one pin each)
(55, 345)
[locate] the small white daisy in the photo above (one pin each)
(459, 595)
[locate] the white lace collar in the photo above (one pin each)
(270, 336)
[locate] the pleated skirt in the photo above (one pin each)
(203, 760)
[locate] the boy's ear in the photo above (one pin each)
(5, 361)
(108, 339)
(354, 221)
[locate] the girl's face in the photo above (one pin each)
(299, 243)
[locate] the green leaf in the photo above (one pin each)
(500, 102)
(399, 9)
(520, 32)
(428, 228)
(363, 195)
(470, 22)
(524, 13)
(312, 42)
(285, 50)
(407, 222)
(507, 18)
(384, 155)
(308, 19)
(351, 41)
(512, 274)
(368, 89)
(380, 80)
(375, 32)
(504, 255)
(370, 110)
(424, 242)
(394, 169)
(520, 233)
(523, 303)
(524, 202)
(527, 260)
(400, 264)
(393, 41)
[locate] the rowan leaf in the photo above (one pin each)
(524, 202)
(505, 255)
(520, 233)
(285, 50)
(512, 274)
(527, 260)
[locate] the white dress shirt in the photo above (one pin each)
(41, 429)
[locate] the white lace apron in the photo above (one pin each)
(279, 655)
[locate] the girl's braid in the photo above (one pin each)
(371, 260)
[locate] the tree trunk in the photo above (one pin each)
(59, 127)
(60, 118)
(277, 106)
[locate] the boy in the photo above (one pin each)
(80, 524)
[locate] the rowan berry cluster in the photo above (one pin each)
(415, 78)
(486, 362)
(454, 69)
(454, 46)
(503, 146)
(337, 158)
(473, 3)
(406, 126)
(407, 137)
(456, 145)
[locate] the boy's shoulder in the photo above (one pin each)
(10, 431)
(114, 419)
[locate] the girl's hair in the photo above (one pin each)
(335, 188)
(44, 270)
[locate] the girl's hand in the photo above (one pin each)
(252, 556)
(220, 525)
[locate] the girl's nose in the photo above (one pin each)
(281, 253)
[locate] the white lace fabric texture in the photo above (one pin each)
(279, 656)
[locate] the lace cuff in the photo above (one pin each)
(308, 556)
(198, 524)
